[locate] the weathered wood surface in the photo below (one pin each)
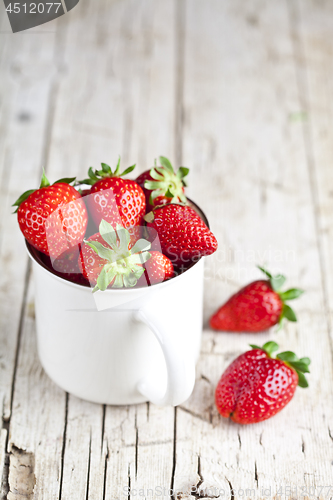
(241, 92)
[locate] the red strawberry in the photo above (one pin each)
(54, 218)
(157, 269)
(109, 258)
(256, 307)
(162, 185)
(256, 386)
(183, 235)
(116, 200)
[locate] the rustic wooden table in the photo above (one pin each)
(241, 92)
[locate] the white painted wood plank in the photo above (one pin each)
(26, 84)
(83, 459)
(117, 94)
(154, 452)
(120, 445)
(251, 178)
(37, 422)
(314, 46)
(25, 97)
(139, 440)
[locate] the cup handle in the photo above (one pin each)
(180, 365)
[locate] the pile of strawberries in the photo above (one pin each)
(117, 232)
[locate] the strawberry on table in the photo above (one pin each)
(116, 200)
(183, 235)
(163, 185)
(53, 218)
(256, 307)
(256, 386)
(109, 258)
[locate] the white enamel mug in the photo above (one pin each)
(122, 346)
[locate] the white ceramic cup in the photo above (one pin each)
(120, 346)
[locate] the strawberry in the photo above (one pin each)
(109, 258)
(183, 235)
(256, 386)
(116, 200)
(162, 185)
(157, 269)
(53, 218)
(256, 307)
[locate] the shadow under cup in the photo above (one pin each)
(120, 346)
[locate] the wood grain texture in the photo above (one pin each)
(313, 49)
(38, 414)
(26, 96)
(255, 152)
(24, 112)
(241, 93)
(124, 76)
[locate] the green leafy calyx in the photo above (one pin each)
(300, 365)
(105, 172)
(269, 347)
(167, 182)
(124, 266)
(43, 184)
(276, 283)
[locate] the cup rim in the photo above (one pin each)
(30, 250)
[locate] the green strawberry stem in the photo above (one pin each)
(105, 172)
(276, 283)
(43, 183)
(301, 365)
(124, 266)
(167, 182)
